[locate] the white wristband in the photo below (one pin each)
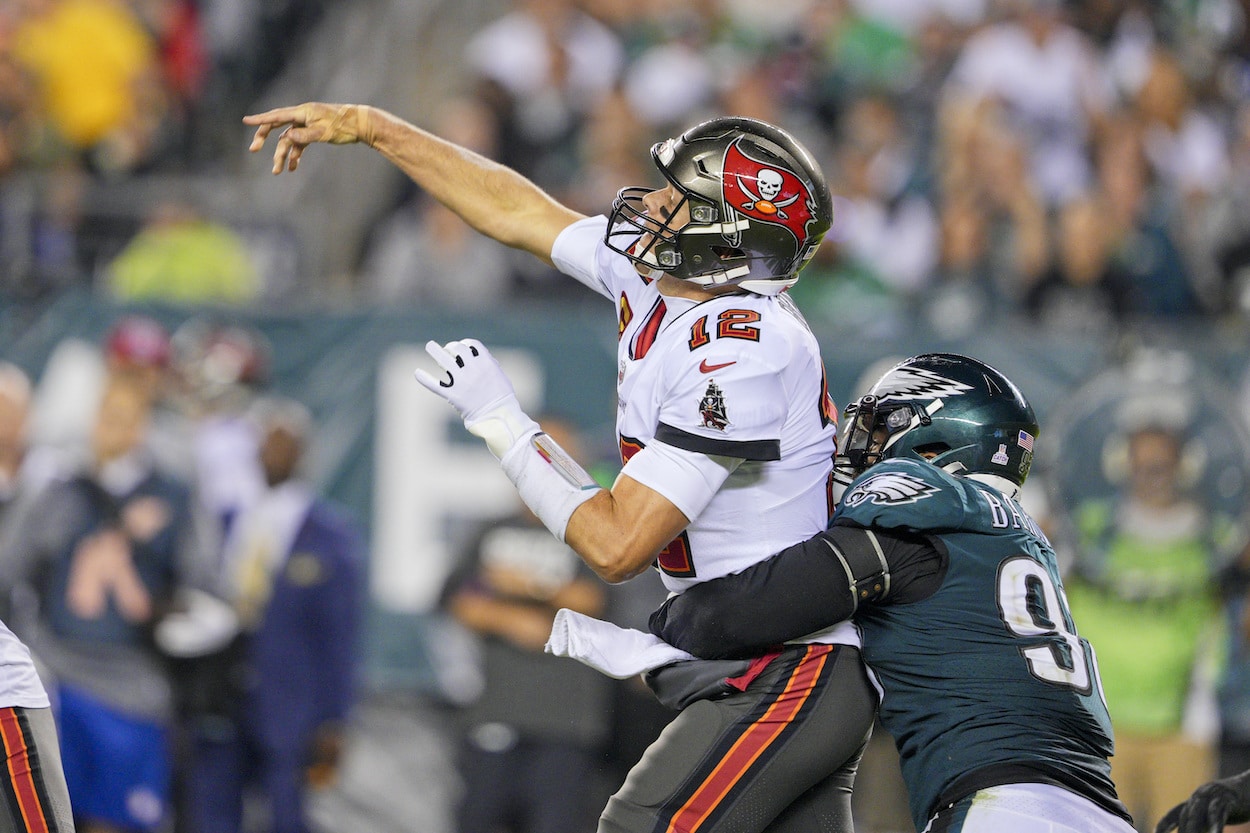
(549, 481)
(502, 426)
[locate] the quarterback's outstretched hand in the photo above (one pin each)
(480, 392)
(337, 124)
(1212, 805)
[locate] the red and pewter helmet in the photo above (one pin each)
(758, 208)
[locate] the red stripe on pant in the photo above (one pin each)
(753, 742)
(21, 778)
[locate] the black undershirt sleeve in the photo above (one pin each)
(802, 589)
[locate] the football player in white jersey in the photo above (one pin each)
(33, 795)
(725, 424)
(33, 792)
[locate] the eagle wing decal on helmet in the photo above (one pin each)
(917, 383)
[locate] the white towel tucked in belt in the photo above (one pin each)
(618, 652)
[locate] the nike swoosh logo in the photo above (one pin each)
(704, 367)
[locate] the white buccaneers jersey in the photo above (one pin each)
(20, 685)
(723, 409)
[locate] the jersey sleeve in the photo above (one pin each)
(731, 403)
(579, 252)
(688, 480)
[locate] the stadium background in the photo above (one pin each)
(350, 359)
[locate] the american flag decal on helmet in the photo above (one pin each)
(1025, 440)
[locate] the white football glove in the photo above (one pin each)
(481, 393)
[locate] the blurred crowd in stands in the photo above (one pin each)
(118, 88)
(193, 603)
(1082, 164)
(102, 92)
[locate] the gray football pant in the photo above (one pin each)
(780, 756)
(33, 796)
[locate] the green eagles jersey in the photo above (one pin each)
(1029, 705)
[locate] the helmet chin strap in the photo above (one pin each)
(769, 287)
(651, 271)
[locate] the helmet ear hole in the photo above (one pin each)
(729, 252)
(930, 450)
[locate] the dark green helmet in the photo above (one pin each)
(758, 208)
(956, 412)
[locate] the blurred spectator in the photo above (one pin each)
(529, 754)
(1187, 148)
(423, 254)
(1141, 221)
(249, 44)
(1227, 222)
(964, 291)
(673, 76)
(24, 471)
(134, 349)
(97, 76)
(984, 165)
(859, 50)
(179, 255)
(137, 348)
(59, 259)
(543, 66)
(936, 31)
(15, 394)
(1046, 75)
(180, 40)
(105, 551)
(294, 570)
(184, 68)
(885, 225)
(219, 369)
(612, 150)
(1084, 292)
(844, 293)
(908, 17)
(19, 119)
(1142, 585)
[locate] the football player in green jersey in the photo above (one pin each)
(992, 697)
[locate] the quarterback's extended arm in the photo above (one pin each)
(617, 532)
(494, 199)
(802, 589)
(1212, 805)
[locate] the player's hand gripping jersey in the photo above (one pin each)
(715, 397)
